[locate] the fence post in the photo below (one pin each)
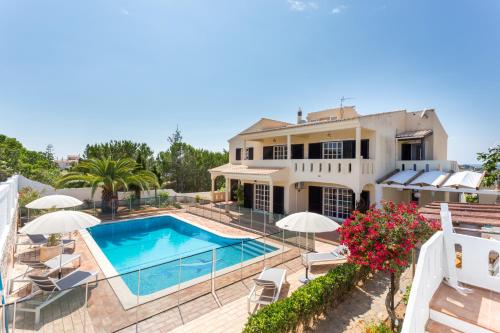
(251, 218)
(283, 247)
(130, 203)
(14, 317)
(214, 268)
(179, 285)
(241, 261)
(86, 307)
(265, 213)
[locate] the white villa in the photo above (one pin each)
(335, 158)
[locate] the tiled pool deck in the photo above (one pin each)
(104, 312)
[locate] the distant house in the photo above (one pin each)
(68, 162)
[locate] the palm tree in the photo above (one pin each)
(111, 176)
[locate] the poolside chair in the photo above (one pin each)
(53, 264)
(49, 290)
(45, 268)
(267, 286)
(340, 253)
(37, 240)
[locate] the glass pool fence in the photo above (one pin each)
(185, 286)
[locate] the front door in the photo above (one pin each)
(278, 199)
(248, 195)
(316, 199)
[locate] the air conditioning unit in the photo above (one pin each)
(299, 186)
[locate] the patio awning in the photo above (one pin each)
(464, 179)
(431, 178)
(419, 134)
(235, 168)
(401, 178)
(241, 171)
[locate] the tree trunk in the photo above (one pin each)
(106, 198)
(389, 300)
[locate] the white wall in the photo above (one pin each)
(83, 193)
(8, 215)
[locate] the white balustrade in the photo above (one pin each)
(428, 276)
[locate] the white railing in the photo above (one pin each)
(475, 268)
(428, 276)
(346, 172)
(8, 206)
(428, 165)
(8, 209)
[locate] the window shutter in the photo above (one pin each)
(267, 152)
(315, 150)
(250, 153)
(365, 148)
(349, 149)
(297, 151)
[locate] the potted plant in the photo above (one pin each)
(52, 248)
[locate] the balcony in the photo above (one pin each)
(348, 172)
(427, 165)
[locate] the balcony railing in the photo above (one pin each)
(428, 165)
(341, 171)
(478, 258)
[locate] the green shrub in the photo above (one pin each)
(378, 328)
(406, 295)
(306, 303)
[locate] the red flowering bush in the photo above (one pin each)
(384, 238)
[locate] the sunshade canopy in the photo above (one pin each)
(308, 222)
(431, 178)
(401, 178)
(54, 201)
(63, 221)
(468, 179)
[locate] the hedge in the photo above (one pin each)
(308, 302)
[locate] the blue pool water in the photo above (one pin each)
(155, 245)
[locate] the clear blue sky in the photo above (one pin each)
(77, 72)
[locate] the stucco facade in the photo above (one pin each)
(336, 152)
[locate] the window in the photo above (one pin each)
(280, 152)
(262, 197)
(337, 202)
(412, 151)
(238, 154)
(249, 154)
(332, 149)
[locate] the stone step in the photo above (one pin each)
(435, 327)
(477, 311)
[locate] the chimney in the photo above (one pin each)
(299, 116)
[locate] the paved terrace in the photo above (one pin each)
(104, 312)
(198, 310)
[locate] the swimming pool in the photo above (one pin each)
(155, 245)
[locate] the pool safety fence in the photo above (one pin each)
(202, 281)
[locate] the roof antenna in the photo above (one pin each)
(342, 100)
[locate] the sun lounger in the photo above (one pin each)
(267, 286)
(37, 240)
(45, 268)
(340, 253)
(49, 290)
(53, 264)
